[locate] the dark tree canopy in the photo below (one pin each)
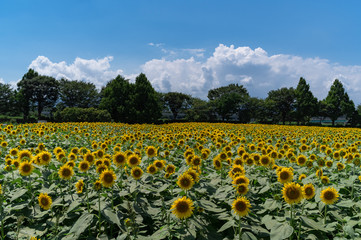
(176, 102)
(78, 94)
(306, 103)
(146, 101)
(116, 99)
(198, 111)
(338, 103)
(39, 91)
(7, 99)
(283, 100)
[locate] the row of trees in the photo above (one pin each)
(122, 101)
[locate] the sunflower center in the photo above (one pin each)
(240, 181)
(284, 175)
(308, 191)
(26, 168)
(218, 163)
(136, 173)
(240, 206)
(108, 178)
(150, 151)
(133, 161)
(329, 195)
(182, 207)
(44, 201)
(293, 193)
(241, 189)
(185, 182)
(119, 159)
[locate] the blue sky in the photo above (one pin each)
(187, 46)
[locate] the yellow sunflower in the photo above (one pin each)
(170, 169)
(45, 201)
(137, 173)
(239, 180)
(241, 206)
(182, 208)
(25, 155)
(302, 176)
(159, 164)
(309, 191)
(101, 167)
(45, 158)
(285, 175)
(151, 151)
(152, 169)
(185, 181)
(26, 168)
(301, 160)
(107, 177)
(97, 185)
(292, 193)
(89, 157)
(265, 160)
(83, 166)
(65, 172)
(329, 195)
(133, 160)
(119, 159)
(79, 186)
(217, 163)
(242, 189)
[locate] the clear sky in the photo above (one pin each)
(189, 46)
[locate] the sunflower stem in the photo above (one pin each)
(299, 224)
(239, 228)
(324, 220)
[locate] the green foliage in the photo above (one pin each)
(78, 94)
(282, 102)
(199, 110)
(39, 91)
(337, 102)
(176, 102)
(306, 103)
(228, 100)
(117, 99)
(7, 99)
(146, 101)
(76, 114)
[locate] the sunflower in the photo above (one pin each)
(292, 193)
(14, 152)
(242, 189)
(89, 157)
(301, 160)
(159, 164)
(329, 195)
(70, 164)
(79, 186)
(193, 174)
(309, 191)
(265, 160)
(137, 173)
(97, 185)
(24, 155)
(72, 156)
(101, 168)
(241, 206)
(185, 181)
(44, 201)
(302, 176)
(65, 172)
(61, 157)
(340, 166)
(170, 169)
(152, 169)
(83, 166)
(236, 171)
(107, 177)
(196, 161)
(119, 159)
(133, 160)
(285, 175)
(26, 168)
(240, 180)
(325, 179)
(151, 151)
(45, 158)
(182, 208)
(57, 150)
(16, 163)
(106, 162)
(217, 163)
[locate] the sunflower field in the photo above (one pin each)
(179, 181)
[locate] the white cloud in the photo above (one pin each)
(254, 69)
(96, 71)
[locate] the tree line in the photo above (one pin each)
(43, 97)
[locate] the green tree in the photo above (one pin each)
(338, 102)
(40, 91)
(146, 101)
(7, 99)
(283, 101)
(228, 100)
(23, 96)
(199, 110)
(306, 103)
(176, 102)
(78, 94)
(116, 98)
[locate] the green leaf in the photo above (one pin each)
(17, 194)
(312, 224)
(346, 203)
(162, 233)
(281, 231)
(80, 226)
(227, 225)
(111, 216)
(349, 230)
(248, 236)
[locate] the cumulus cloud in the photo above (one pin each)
(253, 68)
(96, 71)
